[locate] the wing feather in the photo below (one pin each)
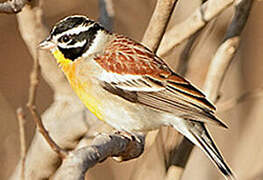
(137, 75)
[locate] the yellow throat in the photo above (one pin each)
(80, 88)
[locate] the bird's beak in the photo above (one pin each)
(47, 44)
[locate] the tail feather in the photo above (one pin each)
(205, 142)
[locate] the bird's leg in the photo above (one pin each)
(131, 152)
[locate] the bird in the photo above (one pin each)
(126, 85)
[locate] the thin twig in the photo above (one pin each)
(61, 152)
(21, 120)
(34, 81)
(198, 19)
(13, 6)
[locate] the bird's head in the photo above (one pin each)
(74, 37)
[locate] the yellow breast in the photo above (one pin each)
(82, 89)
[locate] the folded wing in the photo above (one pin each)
(134, 73)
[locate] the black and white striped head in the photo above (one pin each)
(74, 36)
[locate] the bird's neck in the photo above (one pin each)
(98, 44)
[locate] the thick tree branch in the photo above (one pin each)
(12, 6)
(103, 146)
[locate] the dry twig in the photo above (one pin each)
(21, 120)
(186, 52)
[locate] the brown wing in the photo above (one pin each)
(140, 74)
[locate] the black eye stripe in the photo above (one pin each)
(73, 53)
(82, 36)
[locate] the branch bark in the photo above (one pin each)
(21, 121)
(103, 146)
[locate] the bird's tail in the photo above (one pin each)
(199, 135)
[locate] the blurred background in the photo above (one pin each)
(240, 144)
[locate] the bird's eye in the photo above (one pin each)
(64, 39)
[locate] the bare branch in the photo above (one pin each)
(34, 81)
(158, 23)
(21, 120)
(12, 6)
(239, 19)
(103, 146)
(226, 51)
(192, 24)
(218, 67)
(66, 108)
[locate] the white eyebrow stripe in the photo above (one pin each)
(77, 44)
(75, 30)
